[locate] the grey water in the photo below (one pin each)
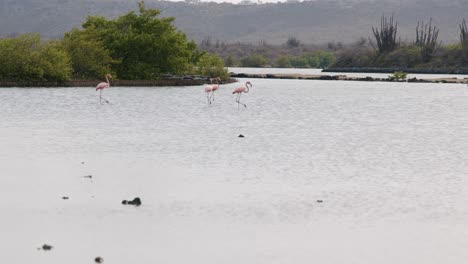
(328, 172)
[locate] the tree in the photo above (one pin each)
(90, 59)
(212, 66)
(230, 61)
(255, 60)
(299, 62)
(144, 44)
(404, 57)
(55, 62)
(26, 59)
(385, 37)
(283, 62)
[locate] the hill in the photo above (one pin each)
(314, 22)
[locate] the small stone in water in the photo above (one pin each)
(136, 201)
(47, 247)
(241, 136)
(99, 260)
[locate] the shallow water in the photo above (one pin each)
(387, 159)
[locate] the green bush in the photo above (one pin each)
(398, 76)
(283, 62)
(144, 44)
(404, 57)
(90, 59)
(26, 59)
(212, 66)
(255, 60)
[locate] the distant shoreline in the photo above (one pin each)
(392, 70)
(345, 78)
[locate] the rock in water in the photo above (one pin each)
(99, 260)
(241, 136)
(47, 247)
(136, 201)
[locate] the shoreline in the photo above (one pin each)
(461, 71)
(345, 78)
(127, 83)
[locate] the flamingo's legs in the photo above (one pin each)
(102, 98)
(238, 101)
(208, 97)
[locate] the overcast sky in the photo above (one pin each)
(245, 1)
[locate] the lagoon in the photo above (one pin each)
(386, 160)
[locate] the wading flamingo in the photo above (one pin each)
(101, 87)
(241, 90)
(215, 87)
(211, 89)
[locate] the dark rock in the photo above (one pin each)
(136, 201)
(241, 75)
(328, 77)
(319, 201)
(65, 197)
(99, 260)
(241, 136)
(88, 176)
(47, 247)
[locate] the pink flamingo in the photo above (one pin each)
(211, 89)
(215, 87)
(101, 87)
(241, 90)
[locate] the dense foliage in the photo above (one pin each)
(144, 44)
(212, 66)
(90, 58)
(133, 46)
(27, 59)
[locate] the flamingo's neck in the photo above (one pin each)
(107, 79)
(247, 86)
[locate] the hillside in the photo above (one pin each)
(317, 22)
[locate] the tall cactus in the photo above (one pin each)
(386, 37)
(464, 39)
(427, 39)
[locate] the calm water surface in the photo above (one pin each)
(388, 160)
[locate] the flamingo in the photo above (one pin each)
(101, 87)
(241, 90)
(211, 89)
(208, 90)
(215, 87)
